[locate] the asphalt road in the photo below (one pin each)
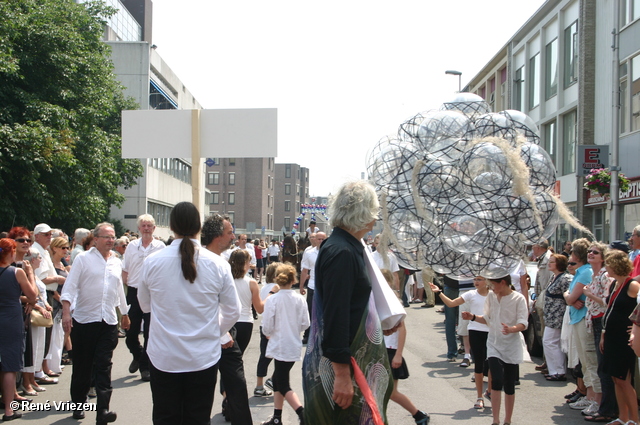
(442, 389)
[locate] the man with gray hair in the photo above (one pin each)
(78, 237)
(134, 256)
(94, 287)
(121, 246)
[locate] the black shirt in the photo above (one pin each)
(343, 284)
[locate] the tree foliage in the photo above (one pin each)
(60, 145)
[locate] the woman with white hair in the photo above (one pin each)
(341, 313)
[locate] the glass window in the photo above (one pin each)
(287, 171)
(624, 99)
(534, 81)
(232, 216)
(287, 205)
(519, 89)
(287, 189)
(232, 179)
(287, 222)
(232, 161)
(635, 93)
(214, 178)
(571, 54)
(569, 143)
(551, 69)
(232, 198)
(550, 140)
(215, 197)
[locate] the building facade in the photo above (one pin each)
(292, 191)
(153, 85)
(243, 189)
(558, 69)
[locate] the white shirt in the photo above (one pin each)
(75, 251)
(264, 291)
(510, 310)
(517, 272)
(273, 250)
(475, 305)
(95, 285)
(46, 268)
(187, 319)
(243, 287)
(135, 255)
(309, 262)
(249, 248)
(393, 262)
(285, 316)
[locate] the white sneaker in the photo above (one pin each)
(582, 403)
(591, 410)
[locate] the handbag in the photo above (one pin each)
(37, 319)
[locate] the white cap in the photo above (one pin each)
(41, 228)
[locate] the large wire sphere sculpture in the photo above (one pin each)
(463, 165)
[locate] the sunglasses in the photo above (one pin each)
(572, 263)
(64, 247)
(23, 240)
(593, 251)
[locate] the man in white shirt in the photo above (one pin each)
(242, 244)
(134, 256)
(273, 251)
(308, 266)
(78, 237)
(94, 287)
(217, 234)
(392, 262)
(46, 272)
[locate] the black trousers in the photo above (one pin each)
(232, 379)
(264, 361)
(93, 345)
(183, 398)
(136, 317)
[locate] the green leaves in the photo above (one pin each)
(60, 156)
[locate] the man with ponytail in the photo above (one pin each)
(192, 299)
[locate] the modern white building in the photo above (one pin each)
(152, 83)
(558, 69)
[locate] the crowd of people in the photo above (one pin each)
(66, 301)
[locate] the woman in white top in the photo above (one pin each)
(192, 299)
(478, 332)
(506, 314)
(285, 317)
(248, 292)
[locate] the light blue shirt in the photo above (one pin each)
(583, 276)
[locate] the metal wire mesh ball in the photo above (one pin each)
(441, 134)
(438, 182)
(542, 170)
(469, 104)
(484, 171)
(466, 225)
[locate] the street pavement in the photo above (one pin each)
(442, 389)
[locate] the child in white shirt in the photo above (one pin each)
(285, 316)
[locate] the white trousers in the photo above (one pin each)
(37, 341)
(54, 357)
(555, 358)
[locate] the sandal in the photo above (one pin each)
(556, 377)
(479, 404)
(487, 395)
(616, 422)
(599, 418)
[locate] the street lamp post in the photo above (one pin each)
(459, 74)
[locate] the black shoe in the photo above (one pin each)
(145, 375)
(273, 421)
(15, 415)
(78, 414)
(104, 417)
(133, 367)
(225, 413)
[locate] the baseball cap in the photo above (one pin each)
(41, 228)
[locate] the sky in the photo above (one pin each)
(342, 74)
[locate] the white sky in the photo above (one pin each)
(342, 74)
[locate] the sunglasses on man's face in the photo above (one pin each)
(571, 263)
